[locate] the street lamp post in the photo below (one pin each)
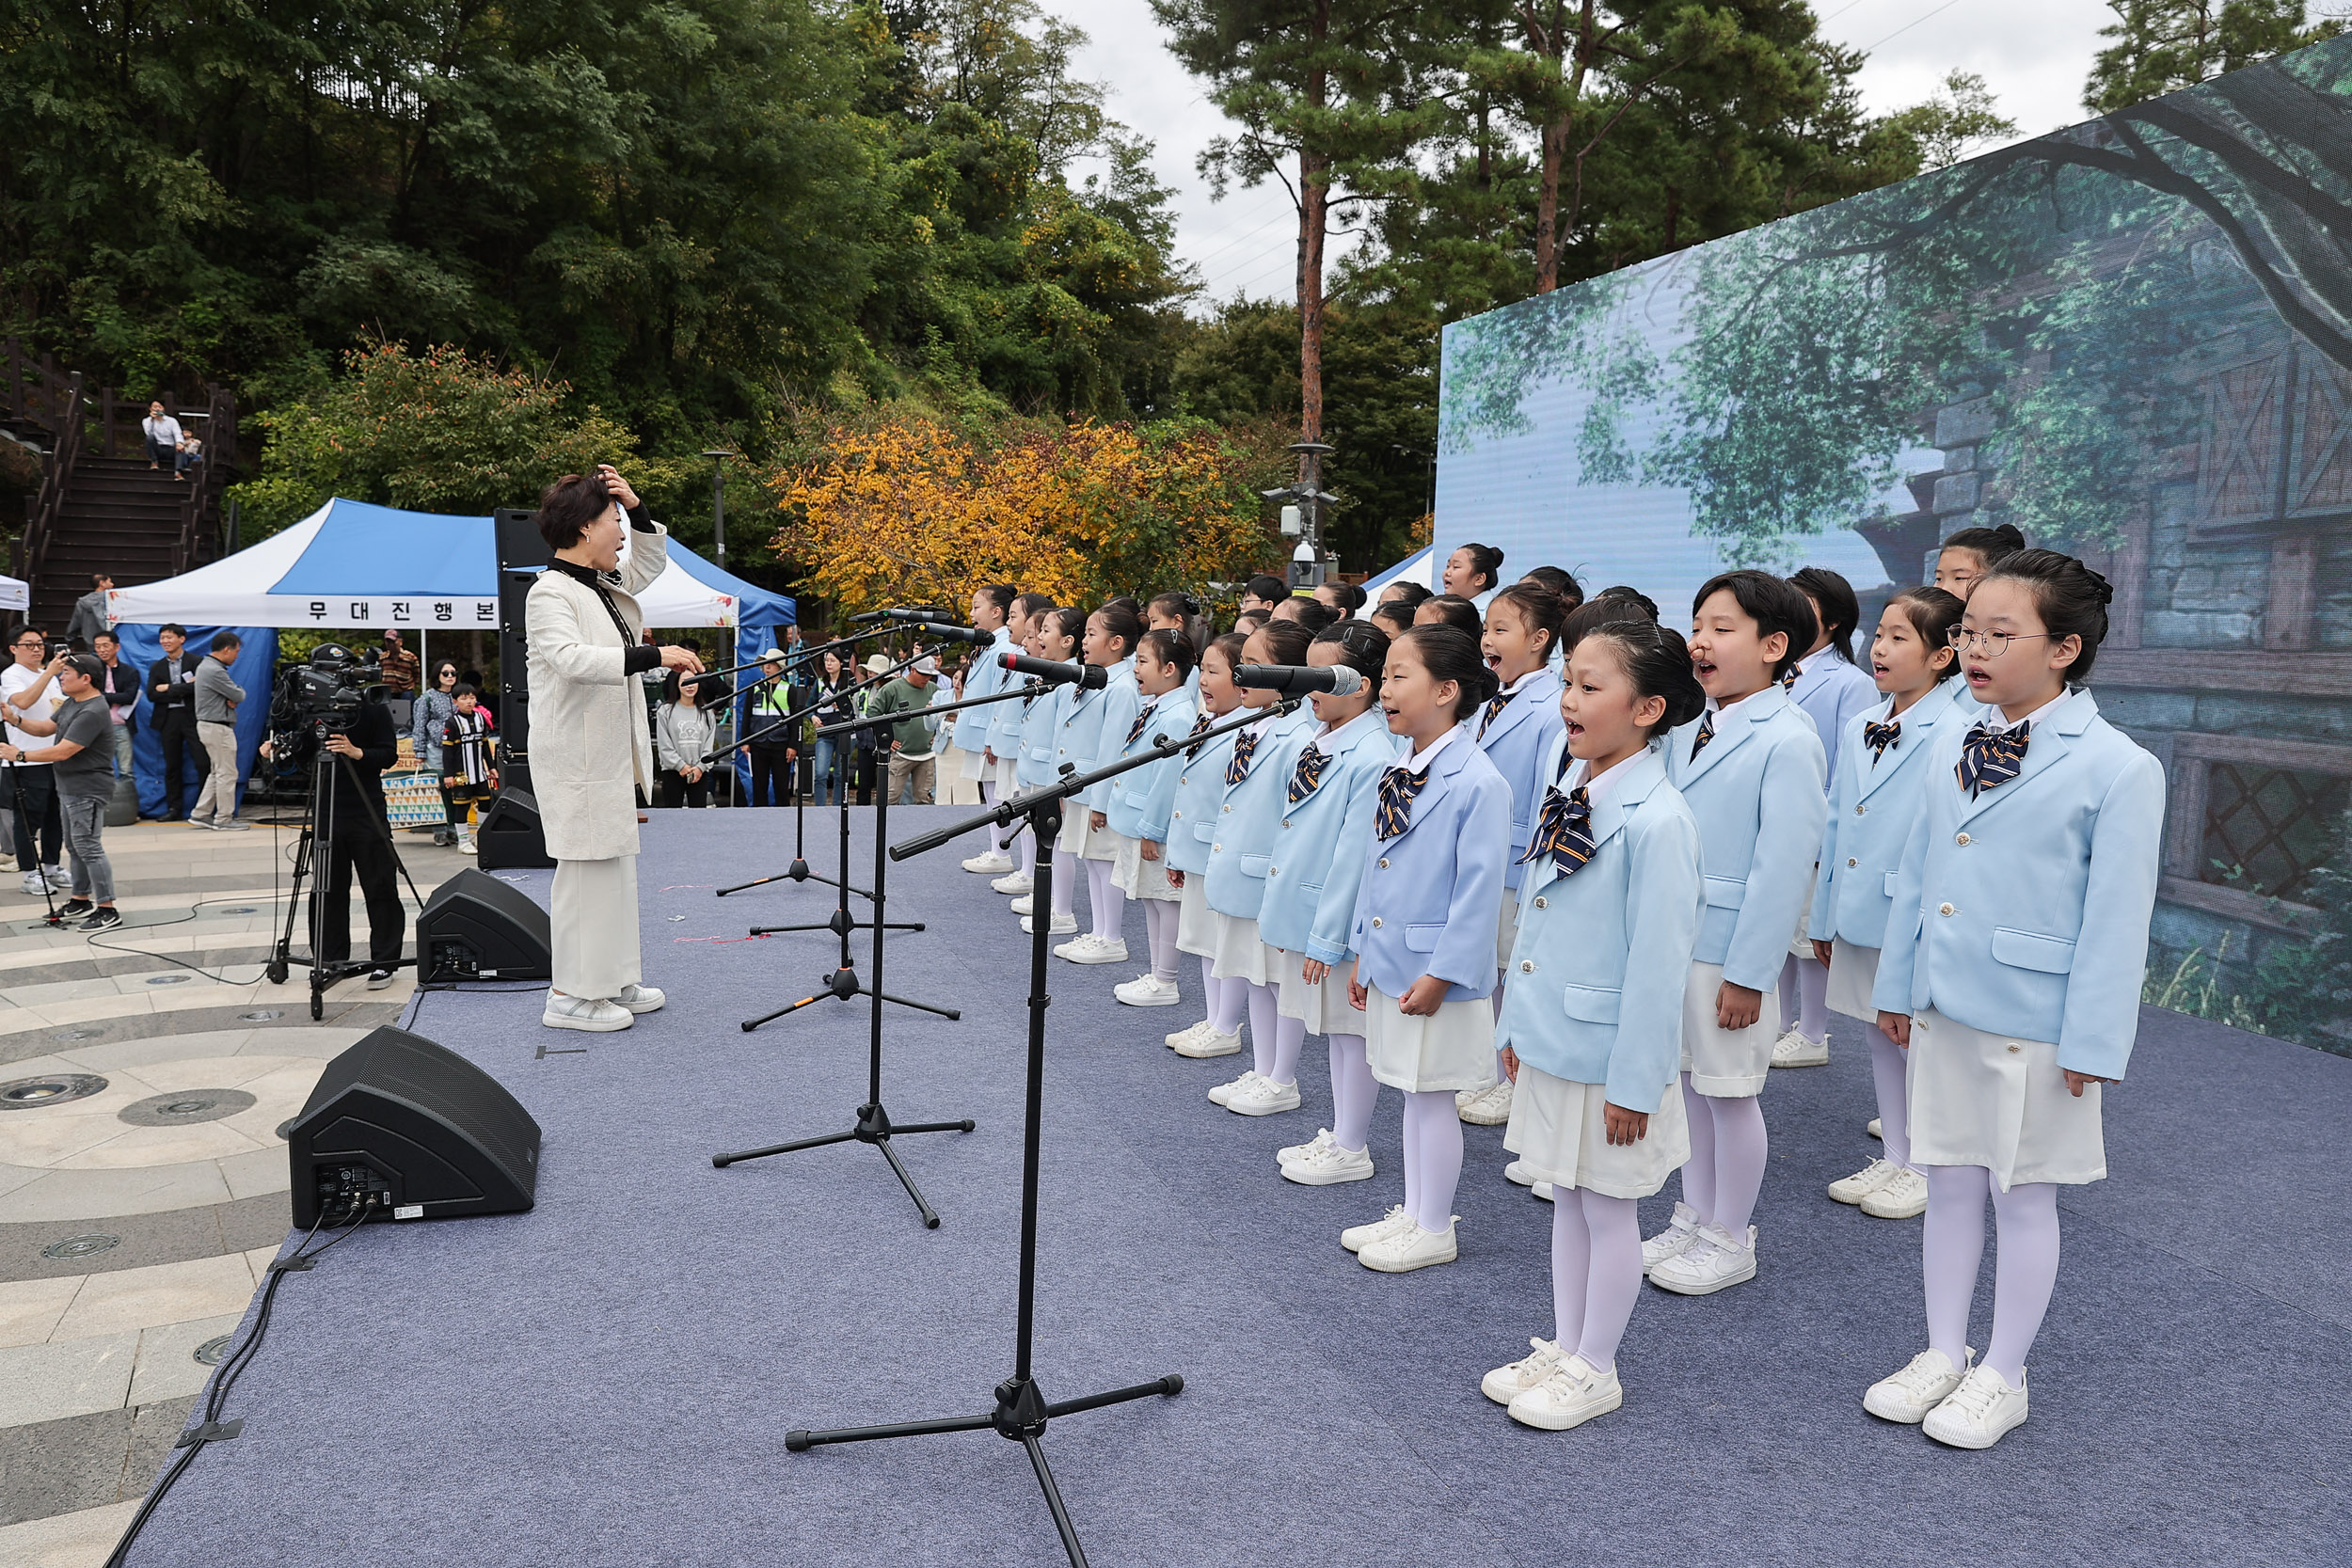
(719, 456)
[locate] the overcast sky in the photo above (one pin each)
(2033, 54)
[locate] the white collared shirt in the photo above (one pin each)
(1723, 713)
(1419, 761)
(1598, 789)
(1998, 721)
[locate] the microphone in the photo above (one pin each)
(1292, 680)
(955, 634)
(1088, 676)
(873, 615)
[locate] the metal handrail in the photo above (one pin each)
(41, 524)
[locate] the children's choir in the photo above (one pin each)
(1556, 866)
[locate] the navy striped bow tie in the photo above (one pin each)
(1308, 774)
(1245, 746)
(1494, 711)
(1789, 677)
(1397, 790)
(1706, 733)
(1199, 724)
(1990, 758)
(1564, 832)
(1134, 731)
(1880, 737)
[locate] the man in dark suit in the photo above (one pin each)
(171, 695)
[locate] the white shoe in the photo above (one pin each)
(62, 879)
(32, 884)
(1794, 1050)
(1507, 1383)
(1262, 1099)
(1324, 1164)
(1980, 1412)
(1403, 1251)
(1519, 1175)
(1543, 1190)
(1925, 1382)
(1714, 1260)
(989, 863)
(1211, 1043)
(379, 979)
(1671, 1241)
(1875, 1130)
(1904, 1198)
(1059, 925)
(1322, 1138)
(1357, 1237)
(1572, 1395)
(1026, 904)
(1223, 1094)
(1486, 1107)
(466, 846)
(640, 999)
(1014, 883)
(585, 1012)
(1191, 1032)
(1147, 991)
(1861, 1183)
(1092, 950)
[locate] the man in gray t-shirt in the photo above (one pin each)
(81, 753)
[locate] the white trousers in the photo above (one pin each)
(594, 918)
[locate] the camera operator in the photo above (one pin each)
(353, 831)
(82, 760)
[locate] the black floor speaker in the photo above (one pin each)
(475, 926)
(399, 1128)
(509, 836)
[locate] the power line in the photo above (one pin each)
(1907, 27)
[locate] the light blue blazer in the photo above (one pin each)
(1430, 895)
(1250, 816)
(997, 727)
(1114, 710)
(1603, 957)
(1318, 855)
(2025, 911)
(1192, 817)
(1140, 800)
(1873, 803)
(1831, 691)
(1040, 721)
(1757, 793)
(1516, 743)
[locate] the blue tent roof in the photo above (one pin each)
(376, 550)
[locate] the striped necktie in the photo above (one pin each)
(1494, 711)
(1789, 677)
(1397, 790)
(1203, 723)
(1706, 733)
(1134, 731)
(1990, 758)
(1880, 737)
(1245, 747)
(1564, 832)
(1308, 774)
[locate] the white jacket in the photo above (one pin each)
(590, 752)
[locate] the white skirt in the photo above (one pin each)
(1008, 780)
(1139, 878)
(1074, 828)
(1559, 1129)
(1452, 1049)
(1853, 971)
(1801, 944)
(1195, 923)
(2000, 1103)
(1506, 927)
(973, 768)
(1100, 843)
(1323, 1007)
(1724, 1063)
(1237, 951)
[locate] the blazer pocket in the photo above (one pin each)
(1254, 865)
(1204, 830)
(1423, 939)
(1725, 893)
(1040, 753)
(2032, 950)
(1890, 884)
(1591, 1004)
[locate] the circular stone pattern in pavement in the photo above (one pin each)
(188, 1105)
(49, 1088)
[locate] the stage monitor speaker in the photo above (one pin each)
(475, 926)
(399, 1128)
(509, 837)
(520, 553)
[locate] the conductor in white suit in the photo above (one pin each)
(589, 752)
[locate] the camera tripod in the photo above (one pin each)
(26, 826)
(323, 974)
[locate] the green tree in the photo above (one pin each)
(2163, 46)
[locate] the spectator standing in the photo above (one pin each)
(81, 757)
(119, 684)
(466, 758)
(400, 667)
(775, 760)
(171, 704)
(89, 613)
(913, 740)
(163, 435)
(830, 778)
(30, 690)
(216, 700)
(427, 718)
(683, 733)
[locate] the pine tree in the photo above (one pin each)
(2162, 45)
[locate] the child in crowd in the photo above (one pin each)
(1192, 820)
(994, 611)
(1451, 609)
(1140, 804)
(468, 771)
(1967, 555)
(1111, 635)
(1053, 635)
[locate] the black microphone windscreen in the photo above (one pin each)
(956, 634)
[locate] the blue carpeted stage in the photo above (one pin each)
(606, 1382)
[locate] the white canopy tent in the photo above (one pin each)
(15, 593)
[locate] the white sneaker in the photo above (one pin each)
(32, 884)
(1794, 1050)
(1223, 1094)
(1543, 1190)
(1925, 1382)
(640, 999)
(989, 863)
(1486, 1107)
(1026, 904)
(1014, 883)
(62, 879)
(1092, 950)
(379, 979)
(1357, 1237)
(585, 1012)
(1211, 1043)
(1507, 1383)
(465, 844)
(1191, 1032)
(1861, 1183)
(1061, 924)
(1325, 1163)
(1714, 1260)
(1288, 1152)
(1671, 1241)
(1147, 991)
(1403, 1251)
(1519, 1175)
(1572, 1395)
(1875, 1130)
(1904, 1198)
(1980, 1412)
(1262, 1099)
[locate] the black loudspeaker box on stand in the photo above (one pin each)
(509, 837)
(399, 1128)
(521, 553)
(476, 927)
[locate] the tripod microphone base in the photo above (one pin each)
(843, 985)
(873, 1127)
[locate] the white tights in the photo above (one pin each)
(1108, 903)
(1353, 1091)
(1595, 1273)
(1726, 1166)
(1805, 996)
(1028, 855)
(1227, 999)
(1159, 925)
(1274, 1039)
(2025, 1269)
(1886, 1076)
(1066, 879)
(1433, 1157)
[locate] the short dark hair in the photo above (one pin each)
(100, 580)
(1265, 585)
(568, 506)
(1774, 604)
(108, 634)
(2072, 597)
(1833, 596)
(462, 690)
(223, 640)
(172, 626)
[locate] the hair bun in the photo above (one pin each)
(2008, 534)
(2099, 585)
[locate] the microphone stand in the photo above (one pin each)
(1022, 1411)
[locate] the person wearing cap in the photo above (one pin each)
(81, 757)
(915, 739)
(776, 759)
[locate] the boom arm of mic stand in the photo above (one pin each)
(1005, 810)
(1033, 688)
